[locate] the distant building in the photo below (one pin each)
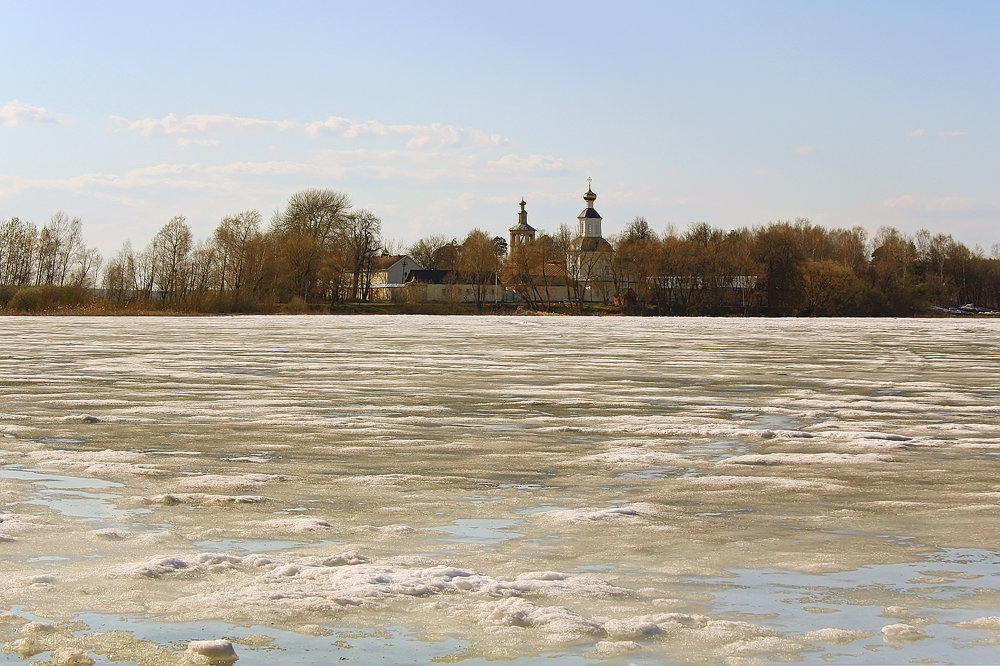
(521, 233)
(589, 256)
(584, 276)
(443, 286)
(389, 273)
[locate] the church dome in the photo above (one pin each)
(590, 196)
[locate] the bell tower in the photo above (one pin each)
(522, 233)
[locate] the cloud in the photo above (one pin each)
(435, 135)
(188, 130)
(918, 132)
(950, 134)
(187, 141)
(528, 163)
(939, 204)
(805, 149)
(16, 113)
(198, 125)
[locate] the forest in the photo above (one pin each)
(317, 255)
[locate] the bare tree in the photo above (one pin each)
(427, 251)
(232, 238)
(172, 245)
(362, 234)
(479, 265)
(17, 250)
(308, 232)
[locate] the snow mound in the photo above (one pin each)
(71, 657)
(557, 621)
(835, 636)
(638, 456)
(810, 459)
(902, 633)
(297, 525)
(228, 482)
(107, 462)
(204, 499)
(991, 623)
(757, 483)
(214, 653)
(629, 513)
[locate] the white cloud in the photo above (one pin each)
(528, 163)
(199, 125)
(16, 113)
(920, 131)
(187, 141)
(434, 135)
(805, 149)
(938, 204)
(950, 134)
(187, 129)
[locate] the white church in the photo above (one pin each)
(588, 274)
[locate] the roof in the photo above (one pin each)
(589, 213)
(522, 226)
(385, 261)
(589, 244)
(432, 277)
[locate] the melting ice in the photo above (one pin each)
(201, 490)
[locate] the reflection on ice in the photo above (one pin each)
(69, 495)
(939, 597)
(481, 530)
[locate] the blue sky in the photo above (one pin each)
(440, 116)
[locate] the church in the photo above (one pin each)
(586, 276)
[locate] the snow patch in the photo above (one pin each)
(629, 513)
(902, 633)
(228, 482)
(835, 636)
(214, 653)
(204, 499)
(810, 459)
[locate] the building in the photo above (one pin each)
(589, 256)
(522, 233)
(389, 273)
(444, 286)
(582, 275)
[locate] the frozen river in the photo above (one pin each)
(465, 489)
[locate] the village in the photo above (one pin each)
(586, 275)
(321, 255)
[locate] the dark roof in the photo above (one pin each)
(589, 244)
(431, 277)
(589, 213)
(385, 261)
(522, 226)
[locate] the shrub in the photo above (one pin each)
(45, 298)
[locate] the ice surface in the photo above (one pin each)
(632, 490)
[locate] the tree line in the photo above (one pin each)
(799, 268)
(319, 251)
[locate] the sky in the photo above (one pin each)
(440, 116)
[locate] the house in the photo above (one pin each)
(388, 275)
(443, 286)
